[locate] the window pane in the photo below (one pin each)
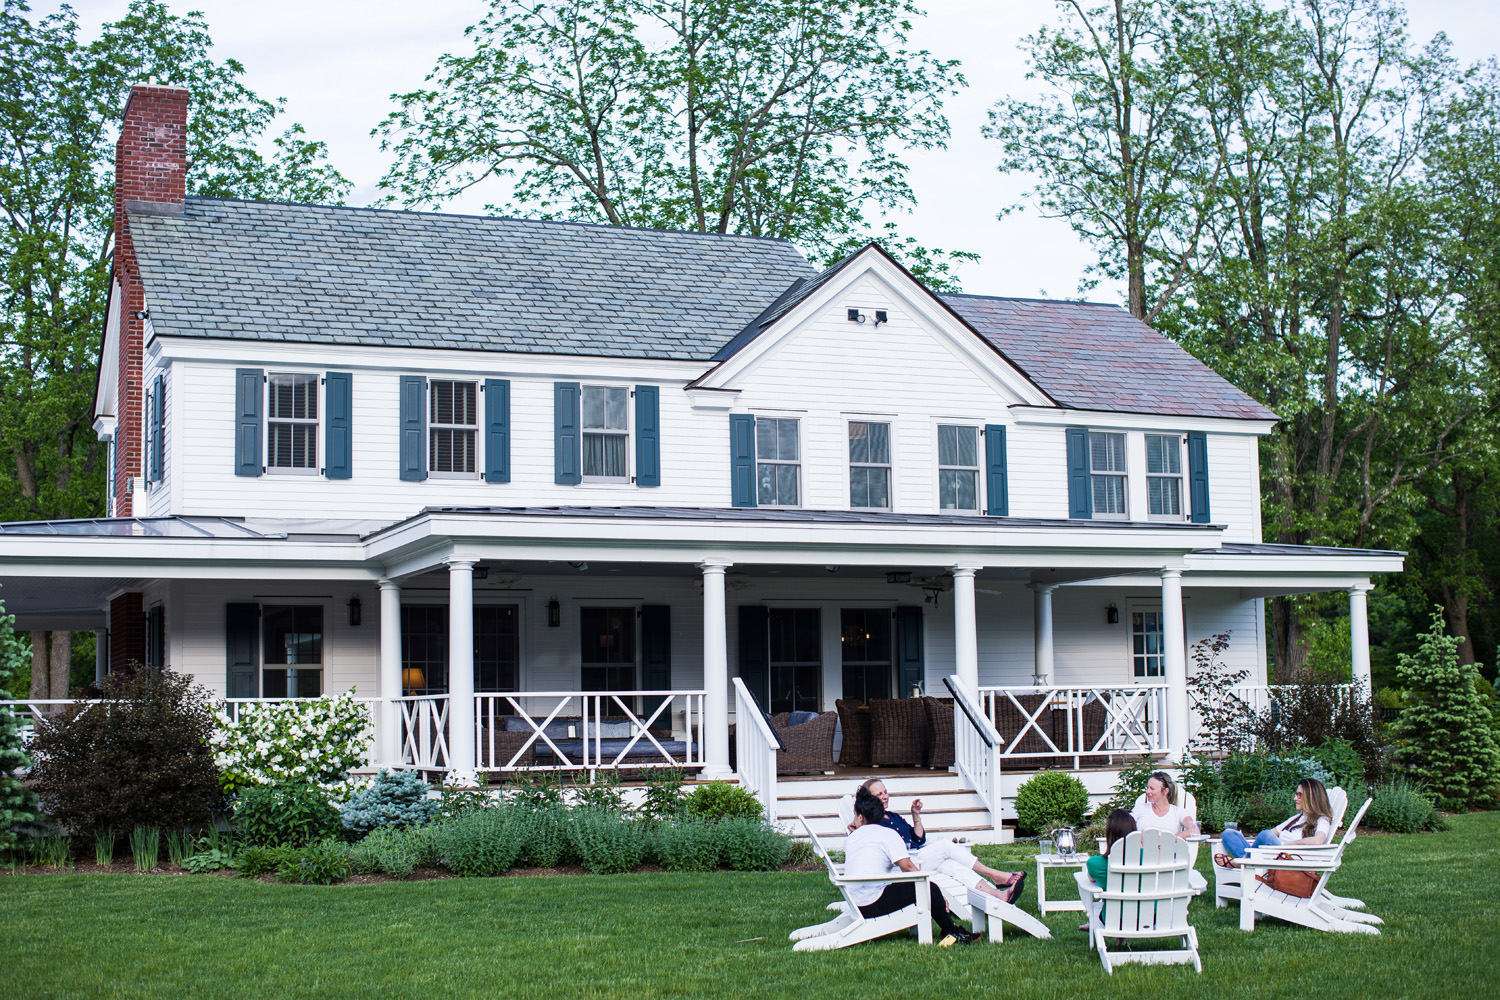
(1164, 494)
(870, 443)
(958, 445)
(786, 485)
(452, 450)
(786, 440)
(880, 487)
(608, 635)
(616, 401)
(859, 487)
(292, 635)
(859, 442)
(1109, 494)
(593, 406)
(604, 455)
(765, 485)
(1107, 452)
(765, 438)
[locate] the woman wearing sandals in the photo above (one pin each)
(953, 860)
(1311, 826)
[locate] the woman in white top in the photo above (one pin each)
(1160, 811)
(1312, 825)
(870, 851)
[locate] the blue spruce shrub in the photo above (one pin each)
(398, 798)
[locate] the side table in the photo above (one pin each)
(1045, 861)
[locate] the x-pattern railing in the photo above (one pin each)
(591, 720)
(424, 732)
(1129, 720)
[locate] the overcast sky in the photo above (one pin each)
(338, 61)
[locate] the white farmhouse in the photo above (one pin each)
(483, 470)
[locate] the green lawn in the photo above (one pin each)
(665, 935)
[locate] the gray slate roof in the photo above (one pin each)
(264, 271)
(1092, 356)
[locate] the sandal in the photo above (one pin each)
(1224, 861)
(1015, 889)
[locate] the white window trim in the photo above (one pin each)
(318, 384)
(1123, 476)
(939, 468)
(889, 465)
(801, 448)
(478, 426)
(1184, 501)
(628, 434)
(1132, 606)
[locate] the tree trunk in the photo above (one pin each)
(62, 662)
(41, 677)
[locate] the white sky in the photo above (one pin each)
(338, 61)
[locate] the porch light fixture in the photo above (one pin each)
(1112, 615)
(356, 610)
(880, 317)
(899, 576)
(855, 316)
(554, 613)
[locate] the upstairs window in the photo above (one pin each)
(606, 432)
(453, 428)
(292, 423)
(777, 463)
(1164, 476)
(958, 467)
(1107, 473)
(869, 464)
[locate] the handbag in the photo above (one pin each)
(1293, 883)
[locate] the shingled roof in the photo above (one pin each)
(1091, 356)
(264, 271)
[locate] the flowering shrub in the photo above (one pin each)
(314, 741)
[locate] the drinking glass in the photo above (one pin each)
(1231, 826)
(1045, 846)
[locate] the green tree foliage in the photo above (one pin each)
(17, 804)
(1447, 733)
(61, 99)
(763, 117)
(1285, 189)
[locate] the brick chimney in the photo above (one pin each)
(150, 177)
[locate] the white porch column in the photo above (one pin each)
(715, 672)
(389, 720)
(1359, 634)
(965, 629)
(1043, 673)
(1174, 656)
(461, 668)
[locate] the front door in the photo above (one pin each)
(796, 661)
(865, 641)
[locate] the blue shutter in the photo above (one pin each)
(567, 440)
(247, 393)
(647, 436)
(242, 650)
(996, 480)
(656, 651)
(910, 670)
(742, 459)
(1080, 492)
(497, 430)
(338, 432)
(755, 653)
(158, 427)
(1198, 475)
(413, 428)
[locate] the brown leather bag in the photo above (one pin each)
(1293, 883)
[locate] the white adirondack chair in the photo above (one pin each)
(1147, 897)
(1189, 804)
(1322, 910)
(851, 926)
(1227, 881)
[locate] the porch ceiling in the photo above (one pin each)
(60, 602)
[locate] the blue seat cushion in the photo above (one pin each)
(610, 749)
(798, 718)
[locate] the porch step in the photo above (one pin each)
(950, 808)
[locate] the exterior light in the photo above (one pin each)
(554, 613)
(1112, 615)
(356, 610)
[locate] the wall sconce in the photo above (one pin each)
(356, 610)
(1112, 615)
(554, 613)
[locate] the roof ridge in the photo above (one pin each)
(1026, 298)
(375, 209)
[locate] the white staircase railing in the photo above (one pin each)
(756, 746)
(1085, 723)
(976, 748)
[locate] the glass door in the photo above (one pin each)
(866, 643)
(796, 659)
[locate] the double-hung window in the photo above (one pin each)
(777, 462)
(1164, 476)
(606, 433)
(292, 640)
(1107, 473)
(292, 423)
(958, 467)
(869, 464)
(453, 429)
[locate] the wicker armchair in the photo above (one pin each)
(898, 732)
(940, 749)
(809, 746)
(856, 749)
(497, 746)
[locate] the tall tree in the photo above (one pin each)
(61, 99)
(764, 117)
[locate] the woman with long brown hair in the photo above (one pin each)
(1310, 826)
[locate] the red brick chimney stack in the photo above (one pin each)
(150, 177)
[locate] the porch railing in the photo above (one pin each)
(1248, 699)
(976, 748)
(588, 730)
(756, 746)
(1078, 724)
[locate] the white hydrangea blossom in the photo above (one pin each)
(318, 740)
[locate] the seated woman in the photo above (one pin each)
(1119, 825)
(869, 851)
(1160, 811)
(1310, 826)
(953, 860)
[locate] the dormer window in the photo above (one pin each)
(292, 423)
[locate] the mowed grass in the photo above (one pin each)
(719, 935)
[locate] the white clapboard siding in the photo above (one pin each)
(1234, 485)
